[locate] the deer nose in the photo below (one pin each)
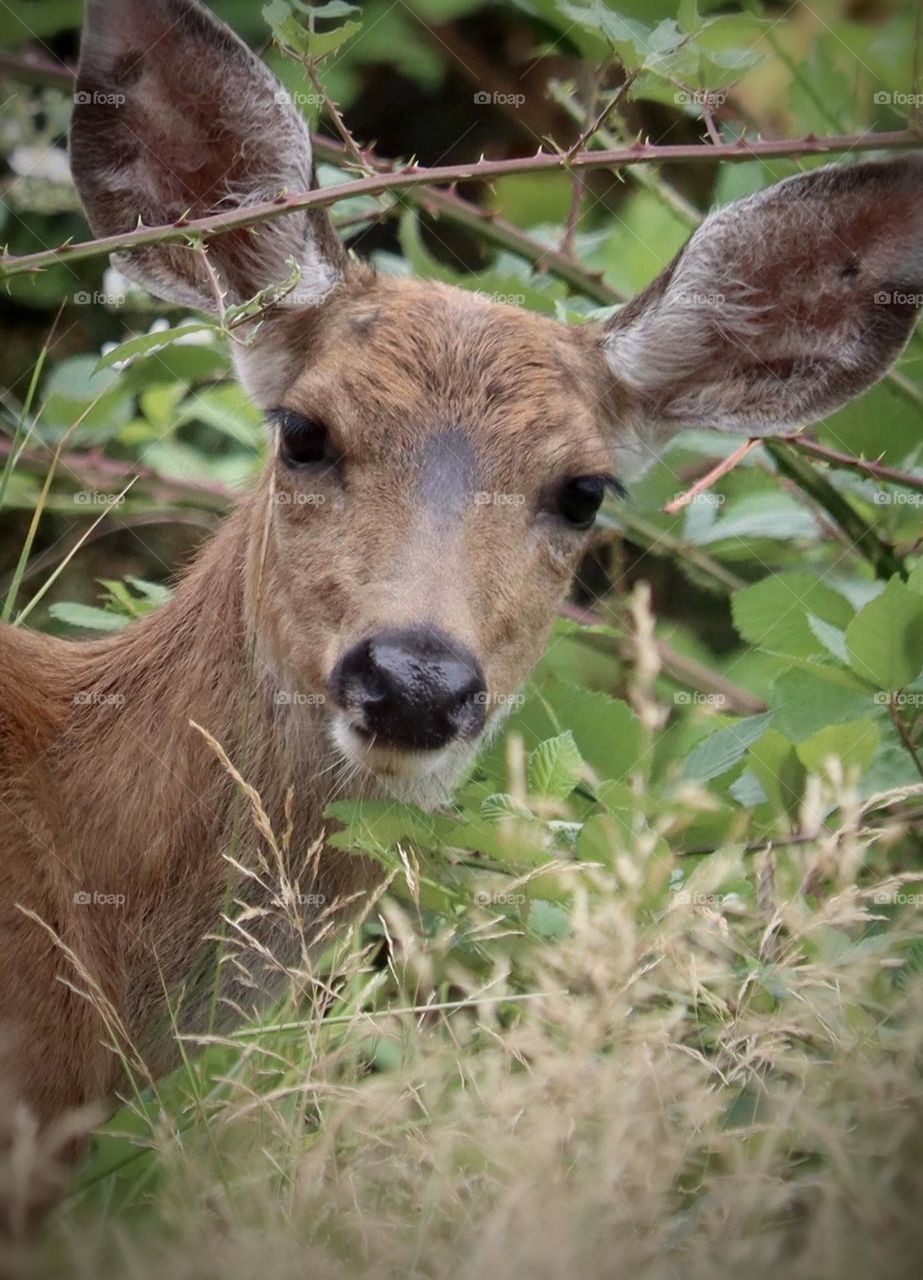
(413, 689)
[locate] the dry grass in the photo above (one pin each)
(707, 1086)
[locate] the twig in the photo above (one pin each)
(336, 116)
(904, 734)
(811, 481)
(720, 469)
(416, 176)
(36, 71)
(685, 671)
(875, 469)
(91, 466)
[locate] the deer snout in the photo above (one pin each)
(414, 689)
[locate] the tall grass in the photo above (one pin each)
(717, 1080)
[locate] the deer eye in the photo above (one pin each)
(303, 442)
(579, 499)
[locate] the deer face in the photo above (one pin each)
(438, 459)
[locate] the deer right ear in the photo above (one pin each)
(781, 307)
(174, 116)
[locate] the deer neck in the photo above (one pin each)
(161, 702)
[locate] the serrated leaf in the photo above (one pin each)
(885, 639)
(555, 768)
(322, 43)
(148, 343)
(500, 805)
(773, 613)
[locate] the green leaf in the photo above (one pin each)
(376, 826)
(555, 768)
(885, 639)
(805, 704)
(832, 638)
(87, 617)
(854, 744)
(782, 775)
(773, 613)
(148, 343)
(292, 34)
(722, 750)
(548, 920)
(322, 43)
(500, 805)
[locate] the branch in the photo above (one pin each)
(416, 176)
(876, 470)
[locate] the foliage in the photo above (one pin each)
(659, 980)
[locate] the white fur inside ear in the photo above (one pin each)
(265, 369)
(176, 117)
(782, 307)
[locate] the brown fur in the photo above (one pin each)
(107, 788)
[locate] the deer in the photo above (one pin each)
(364, 616)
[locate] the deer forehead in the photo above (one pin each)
(390, 363)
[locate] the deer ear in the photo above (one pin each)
(781, 307)
(175, 116)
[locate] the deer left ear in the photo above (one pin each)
(175, 117)
(781, 308)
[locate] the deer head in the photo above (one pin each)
(437, 458)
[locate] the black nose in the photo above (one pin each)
(414, 689)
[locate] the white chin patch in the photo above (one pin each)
(423, 778)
